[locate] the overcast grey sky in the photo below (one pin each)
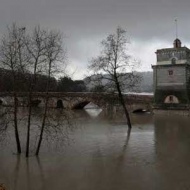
(149, 23)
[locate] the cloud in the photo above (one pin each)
(150, 24)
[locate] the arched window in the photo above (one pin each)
(171, 99)
(60, 104)
(170, 72)
(173, 61)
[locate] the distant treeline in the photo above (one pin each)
(144, 85)
(63, 84)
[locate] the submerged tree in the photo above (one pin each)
(114, 67)
(47, 58)
(36, 46)
(54, 56)
(14, 57)
(29, 59)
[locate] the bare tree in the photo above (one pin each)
(55, 54)
(36, 46)
(32, 56)
(114, 67)
(14, 57)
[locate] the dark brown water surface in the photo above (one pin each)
(99, 155)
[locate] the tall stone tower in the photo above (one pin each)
(171, 76)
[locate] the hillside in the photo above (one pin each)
(146, 84)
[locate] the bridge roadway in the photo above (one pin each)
(78, 100)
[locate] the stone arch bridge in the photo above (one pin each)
(78, 100)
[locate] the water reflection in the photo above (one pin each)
(27, 174)
(93, 112)
(16, 172)
(172, 151)
(104, 155)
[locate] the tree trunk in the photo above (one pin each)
(16, 123)
(43, 126)
(45, 113)
(28, 126)
(121, 99)
(32, 84)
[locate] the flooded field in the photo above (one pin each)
(98, 154)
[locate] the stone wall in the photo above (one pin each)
(166, 54)
(171, 77)
(171, 112)
(171, 80)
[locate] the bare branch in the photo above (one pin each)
(115, 66)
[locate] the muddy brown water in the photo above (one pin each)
(99, 155)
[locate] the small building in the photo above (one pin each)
(171, 76)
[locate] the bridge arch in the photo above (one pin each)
(140, 110)
(81, 104)
(6, 101)
(35, 102)
(59, 104)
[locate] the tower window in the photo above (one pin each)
(171, 98)
(170, 72)
(173, 61)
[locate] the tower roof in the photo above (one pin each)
(177, 43)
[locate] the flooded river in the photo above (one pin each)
(98, 154)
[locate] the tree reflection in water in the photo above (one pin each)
(103, 155)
